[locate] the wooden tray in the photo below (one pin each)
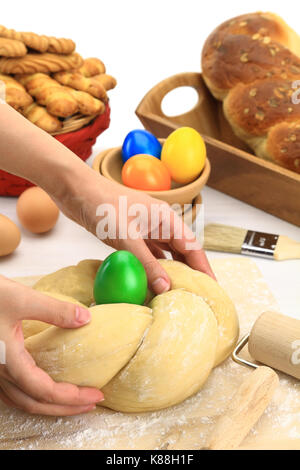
(235, 170)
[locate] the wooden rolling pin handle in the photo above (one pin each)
(275, 341)
(246, 407)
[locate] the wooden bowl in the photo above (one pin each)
(109, 163)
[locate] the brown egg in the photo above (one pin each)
(36, 210)
(10, 236)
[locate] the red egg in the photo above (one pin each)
(147, 173)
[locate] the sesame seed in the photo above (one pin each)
(244, 57)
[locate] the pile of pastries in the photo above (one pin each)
(48, 82)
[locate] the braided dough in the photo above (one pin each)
(143, 358)
(250, 63)
(45, 63)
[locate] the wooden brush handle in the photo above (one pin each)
(275, 341)
(246, 407)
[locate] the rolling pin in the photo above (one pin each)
(275, 341)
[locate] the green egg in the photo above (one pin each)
(121, 279)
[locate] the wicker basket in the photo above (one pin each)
(79, 134)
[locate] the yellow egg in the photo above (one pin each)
(10, 236)
(184, 154)
(36, 210)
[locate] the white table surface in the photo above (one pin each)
(142, 45)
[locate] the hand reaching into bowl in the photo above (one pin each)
(29, 152)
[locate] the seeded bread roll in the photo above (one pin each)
(251, 63)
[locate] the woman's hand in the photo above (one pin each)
(86, 191)
(29, 152)
(22, 384)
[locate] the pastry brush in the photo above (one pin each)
(249, 242)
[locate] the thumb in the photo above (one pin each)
(158, 279)
(55, 312)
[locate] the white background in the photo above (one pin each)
(141, 43)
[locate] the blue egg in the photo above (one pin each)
(140, 142)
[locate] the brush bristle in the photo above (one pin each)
(224, 238)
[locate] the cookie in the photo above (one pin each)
(45, 63)
(12, 48)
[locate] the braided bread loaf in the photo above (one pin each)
(250, 63)
(144, 358)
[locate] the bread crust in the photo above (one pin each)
(250, 63)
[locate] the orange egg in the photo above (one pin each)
(147, 173)
(36, 210)
(10, 236)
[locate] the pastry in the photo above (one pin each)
(81, 83)
(143, 358)
(61, 45)
(251, 63)
(92, 67)
(107, 81)
(39, 116)
(87, 104)
(31, 40)
(45, 63)
(40, 43)
(12, 48)
(49, 93)
(15, 94)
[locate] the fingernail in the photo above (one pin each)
(82, 315)
(160, 285)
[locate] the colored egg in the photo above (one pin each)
(140, 142)
(10, 236)
(184, 154)
(147, 173)
(36, 210)
(121, 279)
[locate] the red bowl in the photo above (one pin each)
(80, 142)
